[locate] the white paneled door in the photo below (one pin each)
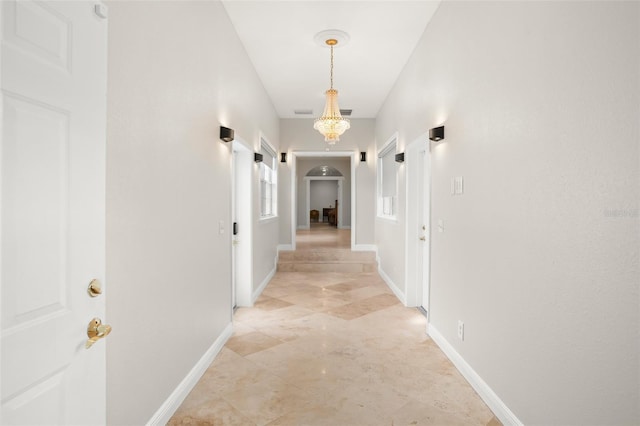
(52, 171)
(418, 228)
(242, 228)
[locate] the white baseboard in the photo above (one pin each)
(303, 227)
(487, 394)
(173, 402)
(396, 290)
(285, 247)
(365, 247)
(263, 285)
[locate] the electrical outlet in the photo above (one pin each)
(460, 330)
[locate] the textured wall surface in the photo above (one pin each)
(539, 256)
(168, 187)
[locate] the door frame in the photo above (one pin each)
(294, 189)
(340, 180)
(417, 161)
(241, 287)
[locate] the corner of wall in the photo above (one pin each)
(264, 283)
(499, 408)
(396, 290)
(284, 247)
(173, 402)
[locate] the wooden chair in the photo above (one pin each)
(314, 215)
(333, 215)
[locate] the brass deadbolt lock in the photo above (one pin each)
(95, 288)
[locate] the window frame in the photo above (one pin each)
(389, 148)
(268, 178)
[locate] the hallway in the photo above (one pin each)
(331, 349)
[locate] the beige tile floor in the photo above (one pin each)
(322, 236)
(331, 349)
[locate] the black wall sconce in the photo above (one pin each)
(226, 134)
(436, 134)
(363, 156)
(400, 158)
(257, 157)
(283, 157)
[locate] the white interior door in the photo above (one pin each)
(234, 226)
(417, 230)
(52, 168)
(424, 210)
(339, 217)
(242, 239)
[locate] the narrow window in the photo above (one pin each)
(268, 181)
(387, 184)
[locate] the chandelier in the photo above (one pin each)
(331, 124)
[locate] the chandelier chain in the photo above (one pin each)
(331, 67)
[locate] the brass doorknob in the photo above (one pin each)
(96, 331)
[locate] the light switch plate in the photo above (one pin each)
(458, 185)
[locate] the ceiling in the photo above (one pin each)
(279, 39)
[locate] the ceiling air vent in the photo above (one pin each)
(303, 111)
(346, 112)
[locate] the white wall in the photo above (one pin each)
(299, 135)
(177, 71)
(539, 257)
(322, 194)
